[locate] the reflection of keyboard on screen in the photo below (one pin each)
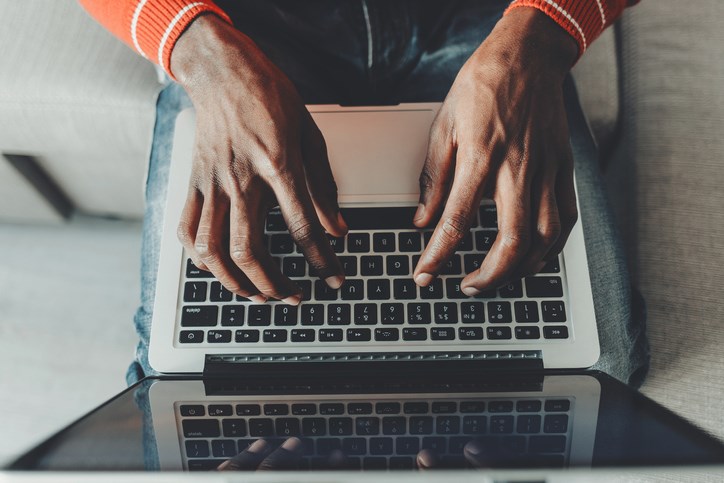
(379, 301)
(382, 434)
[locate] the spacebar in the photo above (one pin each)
(383, 218)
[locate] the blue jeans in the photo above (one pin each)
(371, 52)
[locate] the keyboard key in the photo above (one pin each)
(526, 312)
(192, 271)
(472, 406)
(447, 424)
(398, 265)
(248, 410)
(456, 445)
(306, 288)
(528, 423)
(405, 289)
(218, 336)
(337, 243)
(191, 337)
(330, 335)
(557, 332)
(232, 315)
(513, 290)
(453, 290)
(338, 314)
(349, 265)
(365, 314)
(259, 315)
(499, 333)
(332, 408)
(466, 244)
(552, 266)
(314, 426)
(201, 428)
(547, 444)
(392, 313)
(387, 408)
(234, 428)
(512, 444)
(287, 427)
(359, 335)
(432, 291)
(528, 406)
(358, 242)
(453, 266)
(197, 448)
(303, 335)
(446, 313)
(499, 312)
(294, 266)
(247, 336)
(378, 289)
(407, 445)
(421, 424)
(275, 221)
(195, 291)
(204, 465)
(436, 444)
(354, 446)
(488, 216)
(544, 287)
(371, 265)
(475, 424)
(500, 406)
(261, 427)
(367, 426)
(199, 315)
(322, 291)
(383, 242)
(442, 333)
(472, 312)
(470, 333)
(274, 335)
(402, 462)
(374, 463)
(501, 424)
(556, 423)
(281, 244)
(312, 314)
(353, 289)
(444, 407)
(380, 446)
(473, 262)
(426, 237)
(527, 332)
(387, 334)
(326, 445)
(192, 410)
(304, 409)
(553, 311)
(359, 408)
(484, 240)
(558, 405)
(223, 448)
(219, 294)
(340, 426)
(410, 241)
(285, 315)
(414, 333)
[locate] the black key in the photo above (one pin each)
(303, 335)
(349, 265)
(359, 408)
(232, 315)
(432, 291)
(371, 265)
(378, 289)
(197, 448)
(410, 241)
(387, 408)
(330, 335)
(472, 406)
(285, 315)
(352, 289)
(466, 244)
(383, 242)
(499, 333)
(340, 426)
(556, 423)
(558, 405)
(501, 424)
(201, 428)
(402, 462)
(407, 445)
(192, 271)
(387, 334)
(337, 243)
(275, 221)
(247, 336)
(456, 445)
(367, 426)
(398, 265)
(223, 448)
(454, 266)
(475, 424)
(326, 445)
(193, 410)
(374, 463)
(421, 424)
(261, 427)
(487, 294)
(338, 314)
(204, 465)
(472, 312)
(484, 240)
(314, 426)
(394, 425)
(473, 261)
(528, 423)
(442, 333)
(380, 446)
(281, 244)
(453, 290)
(331, 408)
(547, 444)
(234, 428)
(306, 287)
(218, 336)
(427, 236)
(418, 313)
(414, 333)
(526, 312)
(488, 216)
(470, 333)
(500, 406)
(446, 313)
(392, 313)
(195, 291)
(294, 266)
(552, 266)
(191, 336)
(444, 407)
(219, 294)
(359, 335)
(544, 287)
(405, 289)
(499, 312)
(354, 446)
(436, 444)
(513, 290)
(512, 444)
(199, 315)
(553, 311)
(358, 242)
(287, 427)
(527, 332)
(558, 332)
(248, 410)
(259, 315)
(312, 314)
(322, 291)
(365, 314)
(274, 335)
(528, 406)
(304, 409)
(447, 424)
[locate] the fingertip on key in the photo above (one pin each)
(258, 299)
(471, 291)
(334, 282)
(293, 300)
(423, 279)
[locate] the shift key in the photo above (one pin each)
(544, 287)
(201, 428)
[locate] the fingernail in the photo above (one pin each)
(223, 465)
(334, 281)
(419, 213)
(473, 448)
(423, 279)
(257, 299)
(258, 446)
(471, 291)
(293, 300)
(341, 222)
(292, 444)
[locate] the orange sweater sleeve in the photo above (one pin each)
(151, 27)
(583, 19)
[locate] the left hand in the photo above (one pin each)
(502, 133)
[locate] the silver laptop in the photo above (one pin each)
(376, 153)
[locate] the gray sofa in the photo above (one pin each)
(82, 105)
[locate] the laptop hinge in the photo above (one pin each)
(269, 365)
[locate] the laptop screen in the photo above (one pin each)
(464, 422)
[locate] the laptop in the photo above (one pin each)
(376, 154)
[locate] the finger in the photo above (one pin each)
(320, 180)
(249, 252)
(427, 459)
(567, 208)
(512, 197)
(286, 457)
(437, 172)
(189, 225)
(304, 226)
(475, 455)
(210, 244)
(467, 190)
(547, 226)
(249, 459)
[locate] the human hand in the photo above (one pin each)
(256, 146)
(502, 133)
(260, 455)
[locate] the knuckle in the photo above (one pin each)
(185, 235)
(427, 176)
(207, 247)
(517, 241)
(302, 230)
(548, 233)
(454, 227)
(243, 251)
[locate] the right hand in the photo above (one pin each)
(256, 146)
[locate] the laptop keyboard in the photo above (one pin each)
(379, 301)
(382, 434)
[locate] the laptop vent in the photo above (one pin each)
(379, 357)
